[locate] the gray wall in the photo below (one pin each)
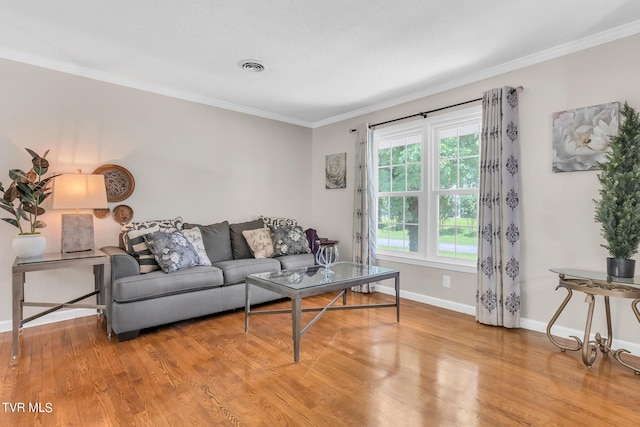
(205, 164)
(557, 209)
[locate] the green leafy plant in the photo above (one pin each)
(28, 190)
(618, 209)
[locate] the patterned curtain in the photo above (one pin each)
(364, 231)
(498, 294)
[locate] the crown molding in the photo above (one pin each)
(106, 77)
(603, 37)
(585, 43)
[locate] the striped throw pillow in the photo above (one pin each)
(139, 248)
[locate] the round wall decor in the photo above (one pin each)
(119, 182)
(122, 214)
(101, 213)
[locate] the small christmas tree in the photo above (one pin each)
(618, 209)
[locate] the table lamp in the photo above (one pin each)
(78, 191)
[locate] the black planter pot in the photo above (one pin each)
(619, 267)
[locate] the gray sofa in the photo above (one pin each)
(137, 301)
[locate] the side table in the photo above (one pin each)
(593, 283)
(101, 263)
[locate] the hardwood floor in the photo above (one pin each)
(357, 368)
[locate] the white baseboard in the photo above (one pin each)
(532, 325)
(59, 316)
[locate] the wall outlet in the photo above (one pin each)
(446, 281)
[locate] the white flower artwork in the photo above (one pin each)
(335, 171)
(581, 136)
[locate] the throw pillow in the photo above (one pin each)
(260, 242)
(194, 236)
(165, 223)
(138, 247)
(217, 240)
(277, 222)
(172, 250)
(289, 240)
(239, 245)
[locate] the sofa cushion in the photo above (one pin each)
(236, 270)
(172, 250)
(289, 240)
(289, 262)
(157, 283)
(260, 242)
(217, 240)
(239, 245)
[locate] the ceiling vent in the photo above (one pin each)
(251, 65)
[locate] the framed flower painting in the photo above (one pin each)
(336, 171)
(581, 136)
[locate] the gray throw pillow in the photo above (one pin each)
(239, 246)
(289, 240)
(172, 250)
(216, 239)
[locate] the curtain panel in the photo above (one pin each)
(498, 293)
(364, 223)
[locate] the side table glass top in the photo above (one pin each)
(59, 256)
(310, 277)
(595, 275)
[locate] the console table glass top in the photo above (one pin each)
(596, 275)
(59, 256)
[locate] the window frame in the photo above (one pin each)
(428, 195)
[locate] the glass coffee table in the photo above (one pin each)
(297, 284)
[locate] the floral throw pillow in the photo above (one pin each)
(172, 250)
(259, 241)
(289, 240)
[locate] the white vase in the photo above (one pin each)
(27, 245)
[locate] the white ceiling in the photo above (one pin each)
(326, 60)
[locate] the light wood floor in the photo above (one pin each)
(357, 368)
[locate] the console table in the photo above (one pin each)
(594, 283)
(101, 263)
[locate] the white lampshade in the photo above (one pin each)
(79, 191)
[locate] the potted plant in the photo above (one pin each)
(23, 199)
(618, 209)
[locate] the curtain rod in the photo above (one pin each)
(425, 113)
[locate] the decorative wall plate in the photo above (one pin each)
(122, 214)
(119, 182)
(101, 213)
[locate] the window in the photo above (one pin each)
(427, 179)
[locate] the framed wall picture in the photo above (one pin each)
(581, 136)
(336, 171)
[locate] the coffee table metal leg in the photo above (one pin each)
(296, 314)
(397, 280)
(247, 305)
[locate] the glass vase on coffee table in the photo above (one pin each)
(327, 254)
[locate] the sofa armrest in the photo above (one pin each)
(122, 264)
